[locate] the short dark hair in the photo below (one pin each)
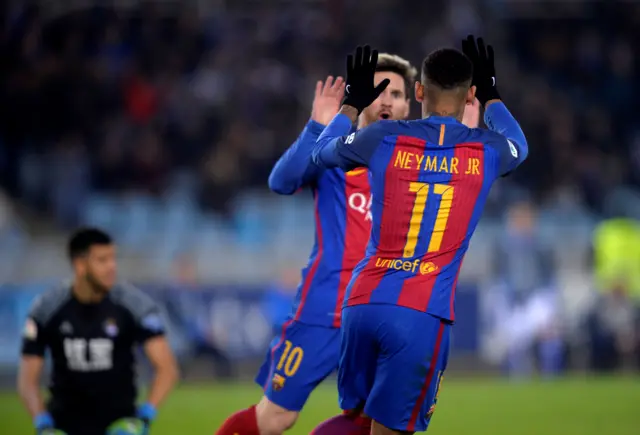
(83, 239)
(393, 63)
(447, 68)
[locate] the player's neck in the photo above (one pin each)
(443, 110)
(85, 293)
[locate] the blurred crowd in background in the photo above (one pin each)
(128, 97)
(162, 120)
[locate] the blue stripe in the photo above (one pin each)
(379, 164)
(306, 270)
(323, 290)
(440, 300)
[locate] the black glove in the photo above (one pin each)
(484, 70)
(360, 91)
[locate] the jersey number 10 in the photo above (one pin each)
(422, 191)
(290, 359)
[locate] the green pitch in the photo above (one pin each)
(466, 407)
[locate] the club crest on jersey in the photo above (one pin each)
(153, 322)
(111, 328)
(277, 382)
(427, 267)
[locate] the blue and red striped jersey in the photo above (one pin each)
(342, 227)
(429, 179)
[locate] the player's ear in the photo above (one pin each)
(419, 91)
(79, 265)
(471, 95)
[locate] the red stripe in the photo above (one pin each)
(396, 215)
(416, 291)
(427, 382)
(353, 244)
(367, 280)
(273, 352)
(357, 231)
(312, 271)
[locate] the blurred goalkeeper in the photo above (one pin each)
(91, 327)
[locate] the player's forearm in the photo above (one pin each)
(164, 381)
(350, 112)
(31, 397)
(325, 153)
(490, 102)
(295, 166)
(499, 119)
(29, 383)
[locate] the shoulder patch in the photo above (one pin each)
(30, 330)
(153, 322)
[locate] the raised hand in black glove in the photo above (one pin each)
(484, 70)
(360, 91)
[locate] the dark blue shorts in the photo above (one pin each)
(297, 361)
(392, 360)
(94, 419)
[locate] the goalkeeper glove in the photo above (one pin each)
(43, 422)
(360, 91)
(147, 413)
(484, 70)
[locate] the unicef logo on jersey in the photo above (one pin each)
(360, 203)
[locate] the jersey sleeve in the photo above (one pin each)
(337, 148)
(510, 143)
(147, 317)
(295, 168)
(34, 341)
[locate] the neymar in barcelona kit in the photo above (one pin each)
(429, 181)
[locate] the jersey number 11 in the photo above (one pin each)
(422, 191)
